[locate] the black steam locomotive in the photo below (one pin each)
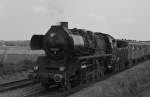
(76, 56)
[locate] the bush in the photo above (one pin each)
(1, 64)
(10, 68)
(28, 64)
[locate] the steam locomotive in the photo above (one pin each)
(76, 56)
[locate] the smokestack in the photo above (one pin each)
(64, 24)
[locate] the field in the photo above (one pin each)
(17, 59)
(17, 54)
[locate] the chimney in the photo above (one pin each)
(64, 24)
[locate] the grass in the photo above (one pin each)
(126, 84)
(17, 59)
(10, 68)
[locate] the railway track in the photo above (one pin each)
(55, 92)
(39, 91)
(16, 84)
(58, 93)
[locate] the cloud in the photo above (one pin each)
(48, 8)
(97, 17)
(22, 16)
(127, 19)
(2, 10)
(40, 10)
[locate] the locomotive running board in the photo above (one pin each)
(94, 56)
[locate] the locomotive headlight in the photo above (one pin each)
(58, 77)
(62, 68)
(36, 68)
(83, 66)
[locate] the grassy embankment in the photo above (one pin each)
(125, 84)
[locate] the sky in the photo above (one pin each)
(20, 19)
